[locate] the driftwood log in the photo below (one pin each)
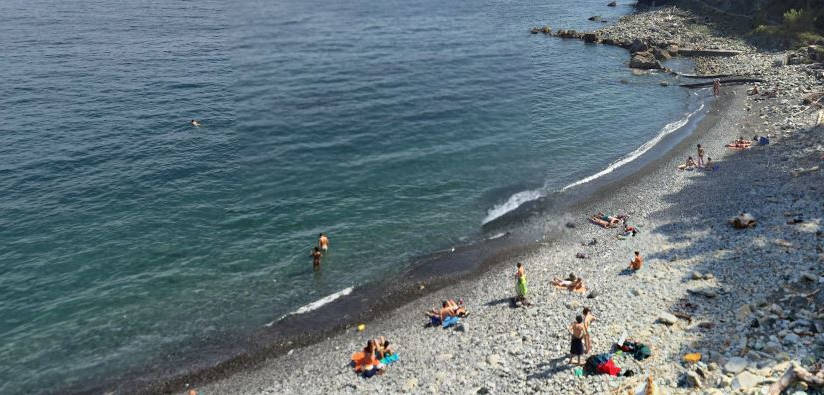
(797, 373)
(732, 81)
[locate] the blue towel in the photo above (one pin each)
(449, 321)
(389, 359)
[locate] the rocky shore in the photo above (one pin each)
(748, 300)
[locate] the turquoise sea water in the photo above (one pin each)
(128, 236)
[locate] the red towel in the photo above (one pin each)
(609, 368)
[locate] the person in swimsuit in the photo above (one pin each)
(716, 87)
(588, 318)
(700, 156)
(578, 332)
(195, 123)
(636, 263)
(316, 255)
(629, 229)
(708, 166)
(520, 284)
(571, 283)
(323, 242)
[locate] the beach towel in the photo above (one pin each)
(520, 286)
(580, 290)
(389, 359)
(609, 368)
(450, 321)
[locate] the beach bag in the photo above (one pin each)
(642, 352)
(763, 140)
(609, 368)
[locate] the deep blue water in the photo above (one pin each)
(396, 127)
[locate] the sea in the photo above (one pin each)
(136, 247)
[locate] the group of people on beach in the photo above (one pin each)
(691, 164)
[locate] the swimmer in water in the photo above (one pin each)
(195, 123)
(323, 242)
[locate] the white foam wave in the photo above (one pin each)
(522, 197)
(511, 204)
(317, 304)
(666, 130)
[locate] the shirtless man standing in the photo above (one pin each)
(323, 242)
(700, 156)
(578, 331)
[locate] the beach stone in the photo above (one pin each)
(667, 318)
(696, 275)
(736, 365)
(410, 384)
(745, 380)
(743, 312)
(693, 380)
(644, 61)
(612, 4)
(493, 359)
(791, 339)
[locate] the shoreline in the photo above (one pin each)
(512, 355)
(261, 373)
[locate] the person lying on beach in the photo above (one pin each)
(449, 308)
(606, 221)
(739, 143)
(578, 332)
(689, 165)
(636, 263)
(571, 283)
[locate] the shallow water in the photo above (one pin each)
(398, 128)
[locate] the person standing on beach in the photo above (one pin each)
(520, 284)
(588, 318)
(636, 263)
(716, 87)
(316, 255)
(700, 156)
(578, 332)
(323, 242)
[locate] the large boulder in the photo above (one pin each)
(661, 54)
(637, 46)
(612, 4)
(644, 61)
(590, 37)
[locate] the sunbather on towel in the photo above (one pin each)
(607, 221)
(441, 313)
(689, 165)
(458, 307)
(382, 348)
(370, 363)
(571, 283)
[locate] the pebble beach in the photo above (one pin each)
(745, 299)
